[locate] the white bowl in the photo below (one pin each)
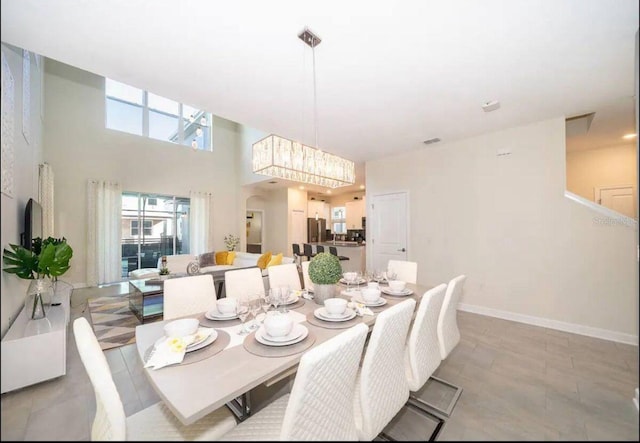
(350, 276)
(227, 305)
(335, 306)
(277, 324)
(370, 295)
(397, 285)
(373, 284)
(182, 327)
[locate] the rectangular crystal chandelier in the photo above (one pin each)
(276, 156)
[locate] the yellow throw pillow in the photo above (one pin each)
(221, 257)
(275, 260)
(231, 256)
(264, 260)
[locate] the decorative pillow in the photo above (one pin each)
(275, 260)
(207, 259)
(231, 256)
(221, 257)
(264, 260)
(193, 268)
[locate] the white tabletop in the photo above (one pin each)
(194, 390)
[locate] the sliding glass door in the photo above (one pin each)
(152, 226)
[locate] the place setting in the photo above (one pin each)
(397, 288)
(286, 298)
(336, 314)
(223, 314)
(368, 296)
(352, 278)
(185, 342)
(279, 336)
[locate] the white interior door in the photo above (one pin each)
(388, 230)
(618, 198)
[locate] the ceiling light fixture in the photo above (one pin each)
(280, 157)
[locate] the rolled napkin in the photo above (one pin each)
(360, 308)
(171, 350)
(305, 294)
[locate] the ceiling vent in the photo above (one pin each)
(490, 106)
(579, 125)
(431, 141)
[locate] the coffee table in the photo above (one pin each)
(146, 300)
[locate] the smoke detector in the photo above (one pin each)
(490, 106)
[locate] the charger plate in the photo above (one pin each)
(253, 346)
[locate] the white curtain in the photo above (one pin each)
(104, 254)
(45, 197)
(199, 223)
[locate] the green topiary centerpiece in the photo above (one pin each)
(324, 272)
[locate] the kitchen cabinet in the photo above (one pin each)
(355, 211)
(322, 208)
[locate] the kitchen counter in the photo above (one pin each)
(346, 244)
(353, 250)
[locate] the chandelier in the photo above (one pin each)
(280, 157)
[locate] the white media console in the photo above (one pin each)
(28, 358)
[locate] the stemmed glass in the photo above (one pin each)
(391, 274)
(350, 277)
(254, 307)
(274, 296)
(243, 313)
(265, 303)
(284, 297)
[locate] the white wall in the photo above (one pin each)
(594, 168)
(27, 157)
(79, 147)
(528, 252)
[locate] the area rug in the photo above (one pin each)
(113, 322)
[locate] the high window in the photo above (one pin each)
(165, 221)
(140, 112)
(338, 219)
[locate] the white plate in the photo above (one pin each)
(321, 313)
(296, 332)
(406, 291)
(202, 335)
(264, 341)
(358, 299)
(351, 293)
(357, 282)
(214, 314)
(292, 299)
(206, 342)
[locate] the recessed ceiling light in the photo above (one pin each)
(629, 136)
(328, 191)
(301, 187)
(361, 186)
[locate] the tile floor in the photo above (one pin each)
(520, 382)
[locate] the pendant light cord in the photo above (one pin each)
(315, 100)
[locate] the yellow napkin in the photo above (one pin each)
(171, 350)
(360, 308)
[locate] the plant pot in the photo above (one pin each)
(323, 292)
(39, 294)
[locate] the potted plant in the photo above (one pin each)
(43, 264)
(324, 272)
(231, 241)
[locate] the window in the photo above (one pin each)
(166, 229)
(140, 112)
(338, 219)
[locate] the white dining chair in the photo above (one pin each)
(285, 275)
(449, 336)
(382, 388)
(188, 296)
(308, 284)
(422, 351)
(404, 270)
(320, 405)
(156, 422)
(242, 283)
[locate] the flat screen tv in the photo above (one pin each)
(32, 223)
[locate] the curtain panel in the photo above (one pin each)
(199, 222)
(45, 197)
(104, 254)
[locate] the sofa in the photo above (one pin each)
(177, 265)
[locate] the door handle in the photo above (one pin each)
(402, 250)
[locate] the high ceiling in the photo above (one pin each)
(389, 74)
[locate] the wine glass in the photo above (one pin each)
(284, 297)
(254, 308)
(265, 303)
(391, 274)
(350, 278)
(243, 313)
(274, 296)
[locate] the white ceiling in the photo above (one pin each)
(389, 74)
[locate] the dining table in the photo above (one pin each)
(198, 386)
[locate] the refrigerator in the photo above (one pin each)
(316, 230)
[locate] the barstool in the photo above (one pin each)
(297, 254)
(333, 250)
(308, 252)
(319, 249)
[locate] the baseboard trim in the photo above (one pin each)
(589, 331)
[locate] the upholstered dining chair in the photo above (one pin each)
(423, 351)
(308, 284)
(320, 405)
(188, 295)
(382, 388)
(156, 422)
(404, 270)
(244, 283)
(285, 275)
(449, 334)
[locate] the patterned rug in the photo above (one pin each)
(113, 322)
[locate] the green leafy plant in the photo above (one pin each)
(231, 241)
(47, 258)
(164, 271)
(325, 269)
